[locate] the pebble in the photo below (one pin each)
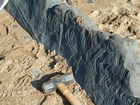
(27, 37)
(15, 26)
(76, 91)
(36, 73)
(91, 1)
(11, 32)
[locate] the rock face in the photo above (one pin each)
(100, 61)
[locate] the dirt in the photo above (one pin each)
(24, 64)
(80, 20)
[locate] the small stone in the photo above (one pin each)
(36, 73)
(11, 32)
(76, 91)
(27, 37)
(15, 26)
(91, 1)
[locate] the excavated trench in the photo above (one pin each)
(103, 64)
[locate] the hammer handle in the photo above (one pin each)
(69, 96)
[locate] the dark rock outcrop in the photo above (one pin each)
(99, 60)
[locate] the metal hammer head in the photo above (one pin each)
(51, 85)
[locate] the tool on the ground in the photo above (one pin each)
(60, 83)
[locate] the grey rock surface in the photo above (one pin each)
(100, 61)
(1, 2)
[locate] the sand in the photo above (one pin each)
(23, 61)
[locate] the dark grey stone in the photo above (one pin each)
(91, 1)
(100, 61)
(1, 2)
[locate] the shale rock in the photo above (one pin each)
(103, 64)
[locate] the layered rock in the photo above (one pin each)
(103, 64)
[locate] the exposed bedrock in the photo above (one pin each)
(106, 66)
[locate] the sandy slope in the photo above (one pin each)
(23, 61)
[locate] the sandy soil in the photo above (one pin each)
(86, 7)
(24, 65)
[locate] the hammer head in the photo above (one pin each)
(51, 85)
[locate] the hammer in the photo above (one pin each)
(60, 83)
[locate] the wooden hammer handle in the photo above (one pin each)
(69, 96)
